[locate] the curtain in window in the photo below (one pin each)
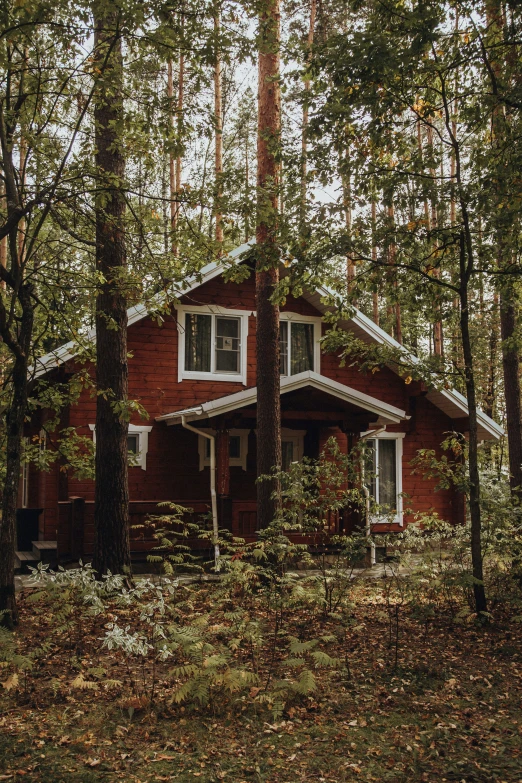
(283, 347)
(370, 468)
(197, 342)
(227, 344)
(388, 474)
(302, 347)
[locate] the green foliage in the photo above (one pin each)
(174, 532)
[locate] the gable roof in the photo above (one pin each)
(388, 414)
(450, 401)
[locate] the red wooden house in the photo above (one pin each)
(197, 369)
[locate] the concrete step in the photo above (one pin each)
(25, 559)
(46, 551)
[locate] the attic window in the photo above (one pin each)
(298, 345)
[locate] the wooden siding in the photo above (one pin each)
(172, 460)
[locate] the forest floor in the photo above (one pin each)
(444, 704)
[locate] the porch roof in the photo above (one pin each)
(385, 413)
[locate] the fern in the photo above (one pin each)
(306, 683)
(323, 659)
(297, 647)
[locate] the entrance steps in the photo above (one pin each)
(42, 552)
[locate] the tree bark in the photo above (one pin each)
(111, 503)
(173, 193)
(304, 131)
(474, 477)
(218, 121)
(438, 337)
(501, 127)
(375, 295)
(16, 334)
(392, 256)
(512, 391)
(15, 418)
(175, 161)
(267, 264)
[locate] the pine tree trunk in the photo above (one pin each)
(392, 257)
(512, 391)
(17, 337)
(267, 265)
(3, 241)
(474, 477)
(175, 161)
(218, 121)
(14, 422)
(304, 131)
(173, 195)
(111, 503)
(375, 295)
(501, 127)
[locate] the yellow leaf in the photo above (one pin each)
(83, 684)
(408, 380)
(11, 682)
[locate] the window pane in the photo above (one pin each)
(287, 453)
(388, 474)
(227, 344)
(234, 447)
(370, 467)
(132, 444)
(283, 347)
(197, 342)
(302, 347)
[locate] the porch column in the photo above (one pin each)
(325, 433)
(223, 477)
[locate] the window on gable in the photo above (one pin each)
(227, 344)
(382, 474)
(296, 347)
(212, 343)
(198, 330)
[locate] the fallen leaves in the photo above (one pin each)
(11, 683)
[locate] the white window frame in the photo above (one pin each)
(297, 438)
(142, 432)
(241, 461)
(398, 437)
(303, 319)
(215, 312)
